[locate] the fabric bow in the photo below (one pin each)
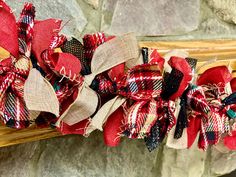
(214, 120)
(60, 69)
(15, 38)
(145, 110)
(113, 52)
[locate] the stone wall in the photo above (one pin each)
(76, 156)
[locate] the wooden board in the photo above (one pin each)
(202, 50)
(9, 136)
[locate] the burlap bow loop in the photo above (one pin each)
(109, 54)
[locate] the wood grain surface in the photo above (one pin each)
(224, 50)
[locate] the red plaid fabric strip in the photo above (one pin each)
(166, 120)
(91, 42)
(215, 123)
(25, 29)
(197, 101)
(16, 116)
(142, 82)
(143, 85)
(104, 85)
(140, 118)
(13, 111)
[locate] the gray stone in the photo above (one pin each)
(68, 11)
(213, 26)
(93, 3)
(150, 17)
(79, 156)
(20, 160)
(76, 156)
(222, 163)
(226, 9)
(176, 163)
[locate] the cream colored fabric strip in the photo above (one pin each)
(105, 111)
(102, 115)
(39, 95)
(84, 106)
(116, 51)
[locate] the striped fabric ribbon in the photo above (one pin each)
(25, 29)
(145, 110)
(91, 42)
(215, 122)
(13, 73)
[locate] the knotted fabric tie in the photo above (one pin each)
(147, 115)
(214, 122)
(111, 53)
(15, 69)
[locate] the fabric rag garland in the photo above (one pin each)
(110, 84)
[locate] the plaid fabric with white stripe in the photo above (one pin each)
(142, 86)
(206, 100)
(166, 120)
(142, 82)
(25, 29)
(13, 111)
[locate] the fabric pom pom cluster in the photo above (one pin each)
(109, 83)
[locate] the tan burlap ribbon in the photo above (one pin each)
(39, 94)
(104, 112)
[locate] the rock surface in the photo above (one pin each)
(222, 163)
(224, 9)
(93, 3)
(76, 156)
(68, 11)
(19, 160)
(151, 17)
